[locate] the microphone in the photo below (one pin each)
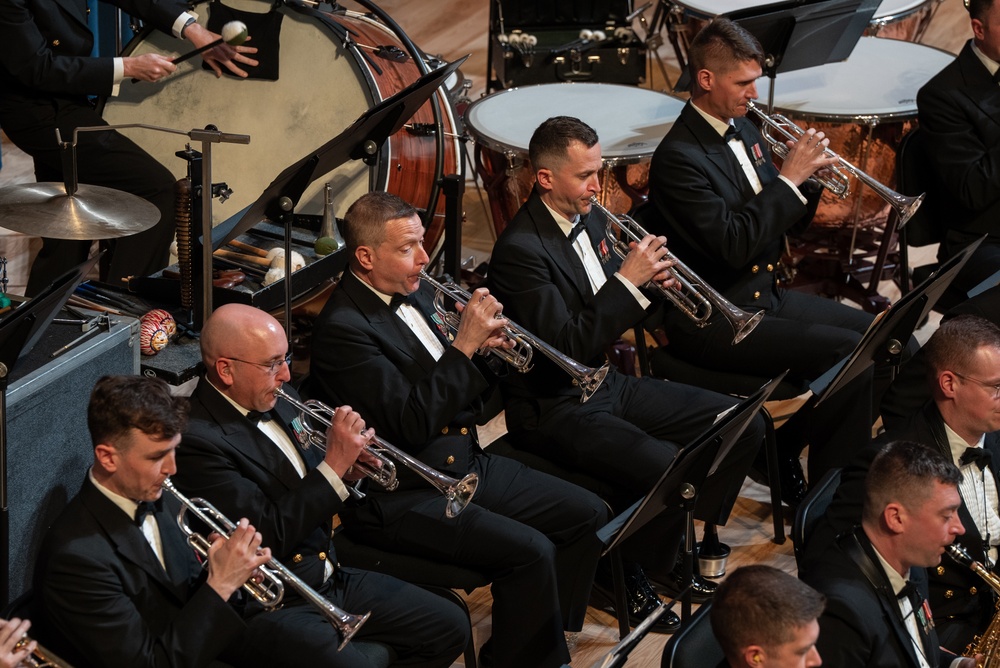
(234, 33)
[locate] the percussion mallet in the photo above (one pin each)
(234, 33)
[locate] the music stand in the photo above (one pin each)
(678, 488)
(361, 141)
(19, 332)
(886, 338)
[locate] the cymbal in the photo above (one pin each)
(93, 212)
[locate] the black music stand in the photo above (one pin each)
(361, 141)
(678, 488)
(19, 332)
(886, 338)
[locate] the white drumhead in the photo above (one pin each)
(629, 121)
(880, 78)
(710, 8)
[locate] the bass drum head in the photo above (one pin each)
(322, 88)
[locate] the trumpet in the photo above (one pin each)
(41, 657)
(458, 492)
(837, 182)
(587, 378)
(271, 589)
(696, 298)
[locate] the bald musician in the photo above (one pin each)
(46, 75)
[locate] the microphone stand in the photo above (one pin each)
(208, 136)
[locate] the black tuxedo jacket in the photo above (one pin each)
(105, 594)
(960, 116)
(228, 461)
(424, 406)
(701, 200)
(956, 593)
(45, 48)
(862, 625)
(543, 286)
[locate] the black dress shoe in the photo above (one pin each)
(672, 584)
(640, 598)
(793, 480)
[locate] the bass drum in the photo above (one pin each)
(321, 89)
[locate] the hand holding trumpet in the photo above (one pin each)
(345, 443)
(232, 562)
(807, 156)
(11, 633)
(482, 324)
(648, 260)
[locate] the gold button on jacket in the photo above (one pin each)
(450, 460)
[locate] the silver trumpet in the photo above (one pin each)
(587, 378)
(695, 298)
(275, 576)
(458, 492)
(837, 181)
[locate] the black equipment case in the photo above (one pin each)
(550, 41)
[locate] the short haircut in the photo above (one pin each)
(953, 346)
(979, 8)
(120, 403)
(365, 220)
(722, 45)
(550, 141)
(905, 472)
(760, 605)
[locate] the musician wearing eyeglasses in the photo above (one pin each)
(246, 451)
(961, 421)
(961, 163)
(116, 581)
(725, 207)
(557, 277)
(380, 346)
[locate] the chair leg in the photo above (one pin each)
(774, 480)
(444, 592)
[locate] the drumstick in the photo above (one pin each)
(251, 259)
(234, 33)
(248, 248)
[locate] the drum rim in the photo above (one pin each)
(608, 160)
(876, 18)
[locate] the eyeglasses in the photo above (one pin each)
(272, 367)
(989, 386)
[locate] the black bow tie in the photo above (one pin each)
(575, 231)
(144, 508)
(977, 455)
(732, 133)
(258, 416)
(910, 591)
(398, 299)
(996, 77)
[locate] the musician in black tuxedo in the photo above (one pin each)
(766, 618)
(559, 280)
(245, 452)
(873, 619)
(964, 360)
(117, 584)
(424, 390)
(960, 117)
(46, 75)
(725, 208)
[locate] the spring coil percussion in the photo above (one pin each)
(182, 213)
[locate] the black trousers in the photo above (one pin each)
(106, 159)
(423, 628)
(806, 335)
(534, 535)
(627, 435)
